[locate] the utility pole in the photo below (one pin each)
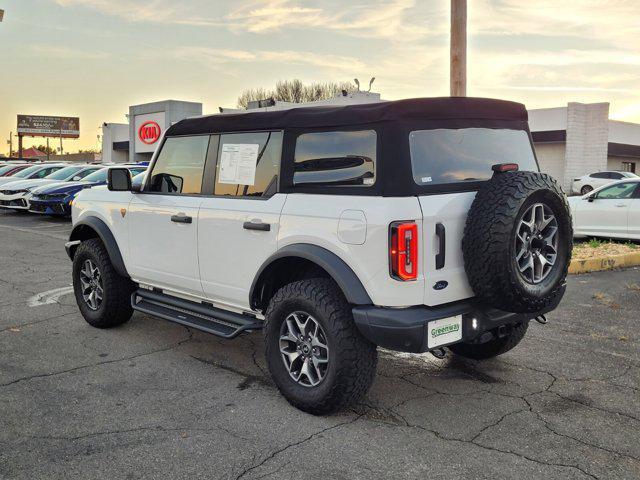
(10, 142)
(47, 149)
(458, 74)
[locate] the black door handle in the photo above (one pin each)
(440, 233)
(263, 227)
(181, 218)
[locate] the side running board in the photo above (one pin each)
(206, 318)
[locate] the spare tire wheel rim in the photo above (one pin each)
(304, 349)
(536, 243)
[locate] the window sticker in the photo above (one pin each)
(238, 163)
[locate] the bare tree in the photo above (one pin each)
(295, 91)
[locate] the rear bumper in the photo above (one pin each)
(406, 329)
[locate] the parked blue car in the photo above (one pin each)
(57, 199)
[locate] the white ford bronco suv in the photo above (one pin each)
(410, 225)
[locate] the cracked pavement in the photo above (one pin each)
(152, 399)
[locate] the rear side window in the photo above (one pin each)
(180, 165)
(248, 164)
(443, 156)
(600, 175)
(336, 158)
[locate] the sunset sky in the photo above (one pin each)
(94, 58)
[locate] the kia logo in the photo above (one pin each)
(149, 132)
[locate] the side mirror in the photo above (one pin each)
(591, 198)
(119, 180)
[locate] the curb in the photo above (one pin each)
(599, 264)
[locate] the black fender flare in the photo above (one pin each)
(104, 234)
(340, 272)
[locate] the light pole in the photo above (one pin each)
(458, 78)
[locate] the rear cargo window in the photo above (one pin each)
(466, 155)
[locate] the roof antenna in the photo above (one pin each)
(371, 83)
(357, 83)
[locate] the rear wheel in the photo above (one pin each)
(103, 296)
(492, 348)
(586, 189)
(317, 357)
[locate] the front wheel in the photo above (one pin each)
(102, 295)
(317, 357)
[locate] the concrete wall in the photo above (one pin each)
(615, 163)
(551, 159)
(587, 140)
(624, 132)
(114, 132)
(546, 119)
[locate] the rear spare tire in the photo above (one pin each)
(517, 241)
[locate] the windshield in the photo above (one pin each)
(7, 168)
(99, 176)
(464, 155)
(27, 171)
(63, 173)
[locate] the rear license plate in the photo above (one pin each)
(444, 331)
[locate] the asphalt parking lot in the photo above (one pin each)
(152, 399)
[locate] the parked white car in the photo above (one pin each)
(612, 211)
(588, 183)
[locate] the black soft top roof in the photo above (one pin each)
(443, 108)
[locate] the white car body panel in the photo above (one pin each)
(171, 261)
(106, 206)
(314, 219)
(229, 262)
(604, 217)
(195, 260)
(451, 211)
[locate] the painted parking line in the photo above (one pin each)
(35, 232)
(49, 297)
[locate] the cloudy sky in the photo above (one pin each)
(94, 58)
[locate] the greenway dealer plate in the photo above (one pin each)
(444, 331)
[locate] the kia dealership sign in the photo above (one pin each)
(148, 130)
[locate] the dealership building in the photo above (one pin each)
(137, 140)
(570, 141)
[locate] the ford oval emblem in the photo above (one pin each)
(441, 285)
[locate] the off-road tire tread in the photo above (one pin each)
(493, 348)
(358, 357)
(489, 231)
(117, 289)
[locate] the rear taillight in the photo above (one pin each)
(403, 250)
